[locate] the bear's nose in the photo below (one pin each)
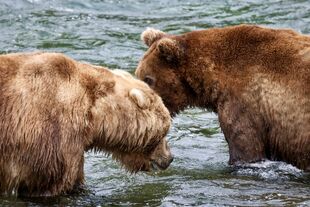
(171, 159)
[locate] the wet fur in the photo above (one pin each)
(53, 108)
(257, 80)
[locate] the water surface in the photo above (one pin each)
(107, 33)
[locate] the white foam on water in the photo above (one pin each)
(33, 1)
(269, 170)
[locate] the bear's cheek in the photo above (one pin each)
(173, 96)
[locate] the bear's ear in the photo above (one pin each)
(150, 35)
(139, 98)
(170, 50)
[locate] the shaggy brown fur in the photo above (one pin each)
(257, 80)
(53, 108)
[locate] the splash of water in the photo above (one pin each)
(269, 170)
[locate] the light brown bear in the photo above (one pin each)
(53, 108)
(257, 80)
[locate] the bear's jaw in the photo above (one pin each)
(133, 162)
(145, 159)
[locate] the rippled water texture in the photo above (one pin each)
(107, 32)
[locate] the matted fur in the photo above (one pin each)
(53, 108)
(257, 80)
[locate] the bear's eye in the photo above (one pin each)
(149, 80)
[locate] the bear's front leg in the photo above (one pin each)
(243, 130)
(72, 177)
(79, 183)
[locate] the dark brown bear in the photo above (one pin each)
(257, 80)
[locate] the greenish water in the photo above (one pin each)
(107, 32)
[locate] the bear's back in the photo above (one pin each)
(38, 93)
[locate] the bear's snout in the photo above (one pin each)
(162, 156)
(162, 163)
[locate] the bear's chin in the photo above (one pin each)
(157, 165)
(136, 162)
(173, 110)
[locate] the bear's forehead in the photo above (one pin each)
(150, 51)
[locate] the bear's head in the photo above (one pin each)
(132, 123)
(161, 69)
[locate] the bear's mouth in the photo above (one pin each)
(156, 167)
(172, 108)
(161, 164)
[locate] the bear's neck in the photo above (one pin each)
(208, 87)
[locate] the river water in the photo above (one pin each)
(107, 33)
